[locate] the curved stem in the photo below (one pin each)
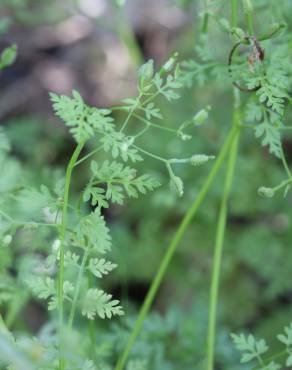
(63, 228)
(220, 233)
(172, 248)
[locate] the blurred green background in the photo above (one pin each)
(95, 47)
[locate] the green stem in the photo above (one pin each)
(91, 324)
(282, 185)
(148, 123)
(285, 164)
(234, 13)
(131, 112)
(25, 223)
(248, 11)
(150, 154)
(172, 248)
(63, 228)
(88, 155)
(77, 290)
(221, 226)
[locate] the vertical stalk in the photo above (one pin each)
(77, 289)
(222, 220)
(63, 228)
(248, 11)
(172, 248)
(285, 164)
(205, 24)
(91, 325)
(220, 233)
(234, 12)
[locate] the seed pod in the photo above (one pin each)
(239, 33)
(202, 116)
(224, 23)
(168, 66)
(56, 246)
(8, 56)
(177, 185)
(266, 192)
(199, 159)
(7, 240)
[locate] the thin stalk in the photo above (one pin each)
(220, 233)
(285, 164)
(88, 155)
(91, 324)
(150, 154)
(282, 185)
(63, 228)
(148, 123)
(234, 13)
(77, 289)
(172, 248)
(26, 223)
(132, 110)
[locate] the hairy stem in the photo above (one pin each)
(63, 228)
(172, 248)
(220, 233)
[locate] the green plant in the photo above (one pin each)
(68, 275)
(74, 224)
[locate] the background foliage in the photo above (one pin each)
(100, 59)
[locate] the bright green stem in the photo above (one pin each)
(234, 12)
(221, 226)
(248, 11)
(172, 248)
(63, 228)
(77, 289)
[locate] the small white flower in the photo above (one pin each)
(7, 240)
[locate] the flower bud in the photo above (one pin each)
(202, 116)
(199, 159)
(56, 246)
(266, 192)
(7, 240)
(239, 33)
(8, 56)
(183, 136)
(168, 66)
(128, 142)
(177, 185)
(224, 24)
